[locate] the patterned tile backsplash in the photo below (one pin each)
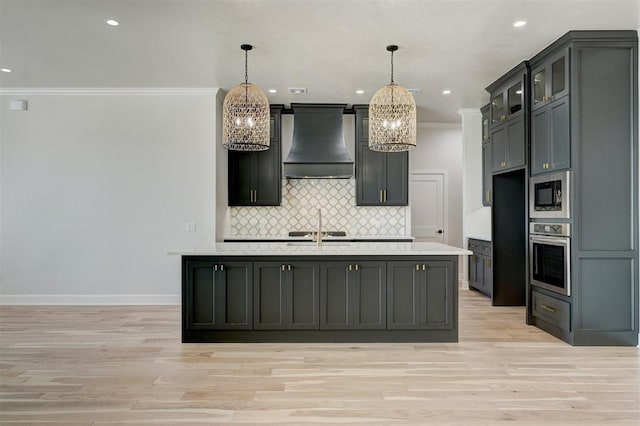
(298, 212)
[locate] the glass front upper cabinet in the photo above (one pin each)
(514, 99)
(497, 109)
(550, 80)
(507, 103)
(485, 124)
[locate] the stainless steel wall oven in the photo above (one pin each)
(550, 256)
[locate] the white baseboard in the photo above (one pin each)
(85, 299)
(464, 284)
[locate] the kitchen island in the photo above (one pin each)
(339, 292)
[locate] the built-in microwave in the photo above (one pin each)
(549, 196)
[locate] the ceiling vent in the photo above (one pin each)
(298, 90)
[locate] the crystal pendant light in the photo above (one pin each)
(392, 117)
(245, 115)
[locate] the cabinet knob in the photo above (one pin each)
(283, 267)
(215, 267)
(357, 267)
(350, 268)
(222, 267)
(289, 267)
(424, 267)
(417, 267)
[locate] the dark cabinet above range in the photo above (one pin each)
(255, 178)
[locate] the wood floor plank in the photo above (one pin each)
(126, 365)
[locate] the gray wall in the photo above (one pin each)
(96, 188)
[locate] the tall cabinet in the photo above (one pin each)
(505, 155)
(255, 177)
(584, 112)
(382, 178)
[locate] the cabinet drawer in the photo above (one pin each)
(552, 310)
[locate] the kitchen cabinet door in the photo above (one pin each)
(370, 175)
(352, 295)
(396, 188)
(508, 146)
(550, 137)
(255, 178)
(403, 301)
(369, 295)
(286, 295)
(219, 296)
(486, 175)
(436, 287)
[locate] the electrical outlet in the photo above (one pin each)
(191, 227)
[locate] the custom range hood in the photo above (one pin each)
(318, 149)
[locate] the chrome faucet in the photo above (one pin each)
(318, 233)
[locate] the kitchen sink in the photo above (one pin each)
(313, 243)
(309, 233)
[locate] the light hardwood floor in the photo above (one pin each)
(108, 365)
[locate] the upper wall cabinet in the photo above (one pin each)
(382, 179)
(550, 112)
(507, 127)
(486, 158)
(550, 79)
(255, 177)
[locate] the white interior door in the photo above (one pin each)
(427, 206)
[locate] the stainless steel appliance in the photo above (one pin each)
(549, 196)
(550, 253)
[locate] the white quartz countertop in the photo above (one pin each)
(328, 248)
(325, 238)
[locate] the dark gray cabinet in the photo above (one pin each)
(218, 295)
(285, 295)
(481, 266)
(382, 179)
(507, 127)
(255, 177)
(353, 295)
(419, 295)
(319, 298)
(486, 157)
(585, 119)
(550, 137)
(550, 79)
(508, 146)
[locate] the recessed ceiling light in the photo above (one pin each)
(519, 24)
(446, 92)
(297, 90)
(273, 91)
(359, 92)
(5, 70)
(112, 22)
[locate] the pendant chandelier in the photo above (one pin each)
(392, 117)
(245, 115)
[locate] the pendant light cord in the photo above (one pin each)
(392, 67)
(246, 77)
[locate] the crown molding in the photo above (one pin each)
(109, 91)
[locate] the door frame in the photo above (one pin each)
(445, 197)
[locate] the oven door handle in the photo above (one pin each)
(535, 259)
(556, 241)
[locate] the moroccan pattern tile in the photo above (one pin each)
(301, 199)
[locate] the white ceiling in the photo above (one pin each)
(331, 47)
